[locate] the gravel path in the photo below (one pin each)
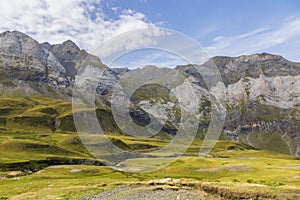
(151, 193)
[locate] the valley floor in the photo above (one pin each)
(232, 172)
(37, 162)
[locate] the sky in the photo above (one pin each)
(230, 28)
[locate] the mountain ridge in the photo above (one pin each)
(263, 95)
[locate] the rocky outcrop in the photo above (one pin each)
(24, 59)
(27, 67)
(68, 54)
(233, 69)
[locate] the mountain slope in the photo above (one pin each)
(262, 90)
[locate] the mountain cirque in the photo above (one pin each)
(262, 90)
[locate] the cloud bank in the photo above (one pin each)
(54, 21)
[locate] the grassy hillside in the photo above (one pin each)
(244, 171)
(40, 159)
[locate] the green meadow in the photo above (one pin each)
(41, 161)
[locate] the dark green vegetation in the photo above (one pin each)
(41, 157)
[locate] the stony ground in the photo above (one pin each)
(152, 193)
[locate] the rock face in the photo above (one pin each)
(262, 100)
(29, 67)
(68, 54)
(233, 69)
(23, 58)
(262, 90)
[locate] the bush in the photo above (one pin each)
(267, 183)
(250, 181)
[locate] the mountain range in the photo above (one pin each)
(262, 90)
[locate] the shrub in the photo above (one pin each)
(250, 181)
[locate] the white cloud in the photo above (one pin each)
(222, 42)
(82, 21)
(141, 58)
(262, 39)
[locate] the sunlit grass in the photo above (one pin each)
(231, 165)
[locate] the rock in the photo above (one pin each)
(68, 54)
(24, 59)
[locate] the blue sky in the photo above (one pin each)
(231, 27)
(212, 22)
(206, 19)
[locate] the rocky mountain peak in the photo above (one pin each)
(68, 48)
(15, 33)
(37, 66)
(69, 44)
(262, 89)
(26, 60)
(260, 57)
(46, 45)
(234, 68)
(17, 43)
(68, 54)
